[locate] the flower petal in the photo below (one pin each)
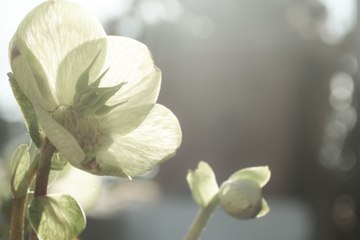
(63, 141)
(122, 121)
(75, 63)
(260, 174)
(49, 32)
(23, 75)
(265, 209)
(130, 61)
(30, 75)
(136, 153)
(202, 183)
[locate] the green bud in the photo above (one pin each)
(58, 162)
(90, 98)
(241, 199)
(103, 95)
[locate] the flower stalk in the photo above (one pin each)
(201, 219)
(43, 169)
(17, 218)
(43, 172)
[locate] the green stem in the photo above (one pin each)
(17, 218)
(43, 171)
(201, 219)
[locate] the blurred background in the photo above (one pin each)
(260, 82)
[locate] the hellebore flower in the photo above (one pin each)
(240, 196)
(93, 95)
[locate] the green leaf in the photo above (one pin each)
(20, 165)
(56, 216)
(265, 209)
(58, 162)
(202, 183)
(259, 174)
(27, 110)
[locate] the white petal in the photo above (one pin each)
(154, 141)
(260, 174)
(75, 63)
(63, 141)
(29, 86)
(122, 121)
(50, 31)
(130, 61)
(202, 183)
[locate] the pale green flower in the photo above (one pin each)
(240, 196)
(94, 95)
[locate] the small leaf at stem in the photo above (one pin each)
(58, 162)
(56, 216)
(202, 183)
(20, 165)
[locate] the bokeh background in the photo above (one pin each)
(260, 82)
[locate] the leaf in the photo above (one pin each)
(20, 165)
(58, 162)
(259, 174)
(202, 183)
(27, 110)
(56, 216)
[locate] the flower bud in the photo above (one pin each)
(241, 198)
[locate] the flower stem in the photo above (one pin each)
(201, 219)
(43, 171)
(17, 218)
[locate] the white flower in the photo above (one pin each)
(94, 95)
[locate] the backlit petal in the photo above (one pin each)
(63, 141)
(29, 86)
(49, 32)
(130, 61)
(75, 63)
(122, 121)
(136, 153)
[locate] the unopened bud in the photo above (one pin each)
(241, 198)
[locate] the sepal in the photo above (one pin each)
(202, 183)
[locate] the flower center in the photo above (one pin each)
(85, 128)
